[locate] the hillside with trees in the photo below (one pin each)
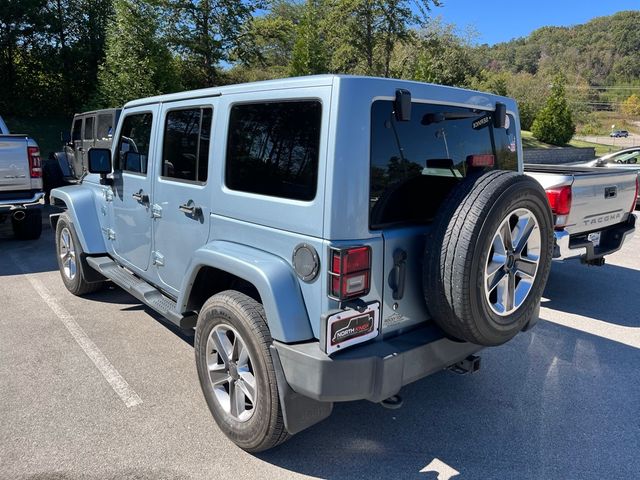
(58, 57)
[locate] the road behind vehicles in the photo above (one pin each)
(88, 129)
(20, 183)
(592, 207)
(319, 261)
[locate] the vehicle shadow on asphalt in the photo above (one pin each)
(616, 287)
(545, 405)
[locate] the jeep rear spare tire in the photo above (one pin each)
(488, 257)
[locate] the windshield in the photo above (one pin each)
(429, 152)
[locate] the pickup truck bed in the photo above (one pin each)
(599, 214)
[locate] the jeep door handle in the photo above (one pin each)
(191, 209)
(141, 197)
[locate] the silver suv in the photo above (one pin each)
(329, 238)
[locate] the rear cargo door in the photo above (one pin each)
(14, 164)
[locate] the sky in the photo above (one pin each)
(500, 20)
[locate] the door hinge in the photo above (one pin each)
(108, 194)
(109, 233)
(158, 258)
(156, 211)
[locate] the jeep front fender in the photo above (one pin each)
(81, 207)
(273, 278)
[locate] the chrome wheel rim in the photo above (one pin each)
(231, 374)
(512, 264)
(68, 254)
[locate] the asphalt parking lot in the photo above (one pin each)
(561, 401)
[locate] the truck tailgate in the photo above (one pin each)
(600, 198)
(14, 163)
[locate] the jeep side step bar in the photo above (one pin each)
(143, 291)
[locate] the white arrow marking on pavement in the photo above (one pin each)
(444, 471)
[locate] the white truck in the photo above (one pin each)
(593, 209)
(20, 183)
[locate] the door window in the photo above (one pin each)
(273, 148)
(88, 128)
(133, 144)
(185, 149)
(77, 128)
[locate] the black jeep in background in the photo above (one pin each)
(88, 129)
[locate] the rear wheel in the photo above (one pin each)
(488, 258)
(28, 227)
(236, 371)
(72, 261)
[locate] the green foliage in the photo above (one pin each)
(310, 54)
(631, 106)
(436, 54)
(554, 123)
(204, 33)
(362, 34)
(137, 62)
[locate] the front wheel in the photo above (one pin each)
(236, 371)
(71, 259)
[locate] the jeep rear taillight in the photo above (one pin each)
(35, 164)
(350, 274)
(560, 202)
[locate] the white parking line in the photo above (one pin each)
(102, 363)
(617, 333)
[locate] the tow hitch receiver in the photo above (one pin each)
(468, 365)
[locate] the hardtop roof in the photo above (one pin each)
(419, 89)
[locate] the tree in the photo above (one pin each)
(364, 33)
(309, 54)
(205, 33)
(137, 62)
(631, 106)
(554, 123)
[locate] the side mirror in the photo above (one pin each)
(100, 160)
(500, 116)
(402, 105)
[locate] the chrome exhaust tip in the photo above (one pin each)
(19, 215)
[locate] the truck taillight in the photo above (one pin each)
(560, 202)
(350, 274)
(35, 164)
(635, 197)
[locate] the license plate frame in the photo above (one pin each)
(594, 238)
(345, 328)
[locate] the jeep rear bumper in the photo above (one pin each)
(373, 371)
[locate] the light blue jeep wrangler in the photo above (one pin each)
(329, 238)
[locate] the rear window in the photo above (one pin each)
(273, 147)
(415, 164)
(105, 126)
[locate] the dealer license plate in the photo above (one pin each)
(349, 327)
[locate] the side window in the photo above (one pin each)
(133, 144)
(105, 126)
(185, 148)
(88, 128)
(273, 148)
(76, 133)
